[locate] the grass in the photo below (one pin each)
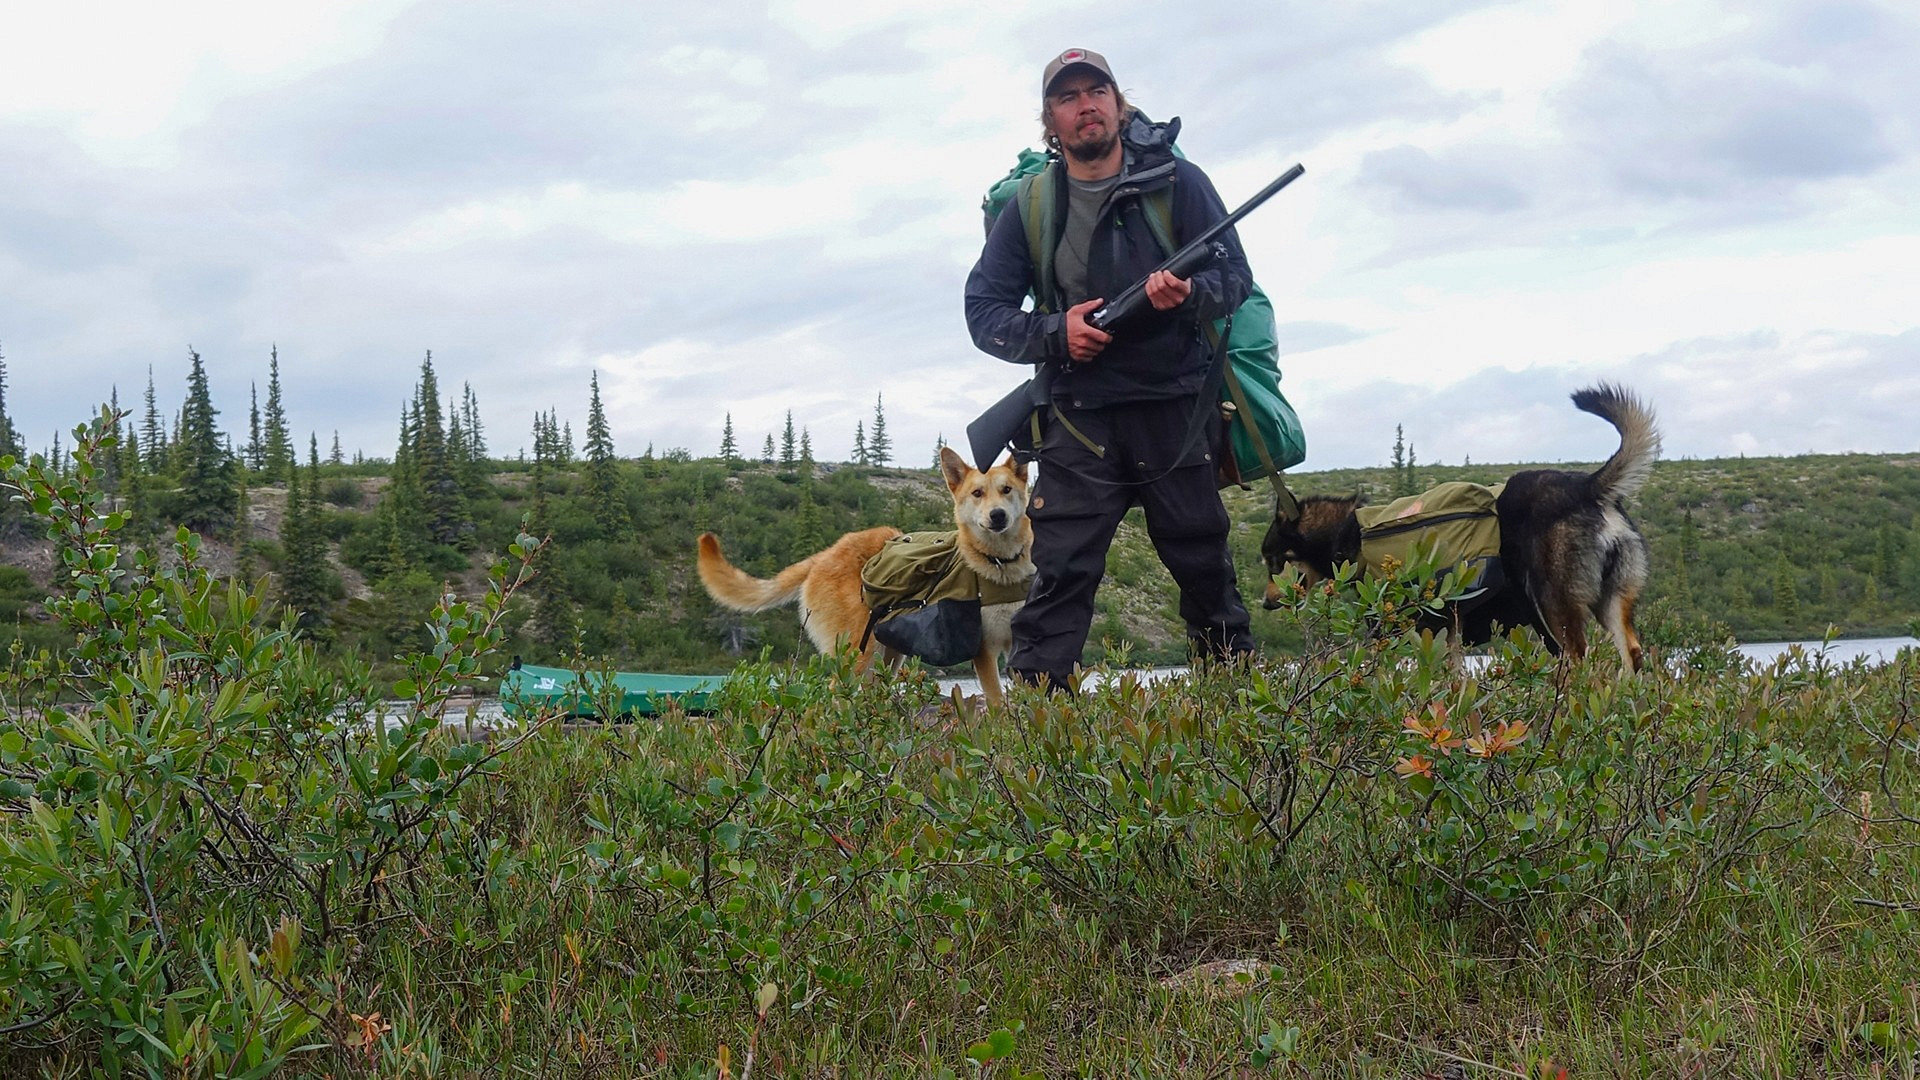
(932, 891)
(559, 966)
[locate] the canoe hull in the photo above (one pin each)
(528, 689)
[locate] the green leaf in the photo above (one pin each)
(998, 1045)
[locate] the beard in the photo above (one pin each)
(1092, 148)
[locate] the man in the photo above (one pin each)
(1129, 423)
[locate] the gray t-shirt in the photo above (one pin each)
(1084, 200)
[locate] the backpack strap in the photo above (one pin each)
(1039, 200)
(1158, 206)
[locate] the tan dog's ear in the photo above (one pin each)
(953, 468)
(1019, 467)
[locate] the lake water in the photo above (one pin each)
(1839, 652)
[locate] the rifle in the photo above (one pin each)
(1188, 261)
(1001, 423)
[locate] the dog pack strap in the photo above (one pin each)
(875, 616)
(1038, 197)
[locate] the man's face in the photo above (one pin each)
(1085, 114)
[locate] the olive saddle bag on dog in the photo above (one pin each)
(1455, 526)
(925, 600)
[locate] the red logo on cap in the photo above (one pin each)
(1071, 55)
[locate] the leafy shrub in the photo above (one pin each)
(342, 491)
(197, 810)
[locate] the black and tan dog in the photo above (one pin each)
(1567, 548)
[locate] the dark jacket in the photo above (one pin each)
(1159, 355)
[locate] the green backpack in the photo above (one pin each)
(1264, 431)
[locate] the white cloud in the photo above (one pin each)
(123, 80)
(728, 210)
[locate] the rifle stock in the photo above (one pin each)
(1005, 420)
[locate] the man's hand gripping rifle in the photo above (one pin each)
(996, 428)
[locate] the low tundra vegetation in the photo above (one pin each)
(224, 856)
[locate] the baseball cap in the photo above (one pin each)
(1073, 58)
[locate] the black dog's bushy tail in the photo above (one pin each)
(1626, 471)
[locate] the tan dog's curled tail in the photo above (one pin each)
(733, 587)
(1623, 474)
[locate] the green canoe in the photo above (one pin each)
(526, 688)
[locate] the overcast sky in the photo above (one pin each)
(755, 208)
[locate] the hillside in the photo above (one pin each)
(1766, 547)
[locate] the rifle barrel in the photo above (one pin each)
(1261, 196)
(1188, 259)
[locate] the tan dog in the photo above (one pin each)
(995, 539)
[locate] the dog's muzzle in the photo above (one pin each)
(997, 521)
(1271, 601)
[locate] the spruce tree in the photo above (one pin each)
(442, 501)
(11, 512)
(729, 450)
(1786, 599)
(456, 439)
(808, 530)
(939, 444)
(470, 415)
(244, 570)
(207, 492)
(1404, 481)
(303, 578)
(787, 442)
(603, 473)
(277, 453)
(152, 435)
(176, 454)
(132, 468)
(860, 443)
(553, 622)
(336, 457)
(473, 473)
(402, 506)
(256, 450)
(9, 438)
(879, 446)
(806, 454)
(111, 471)
(766, 452)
